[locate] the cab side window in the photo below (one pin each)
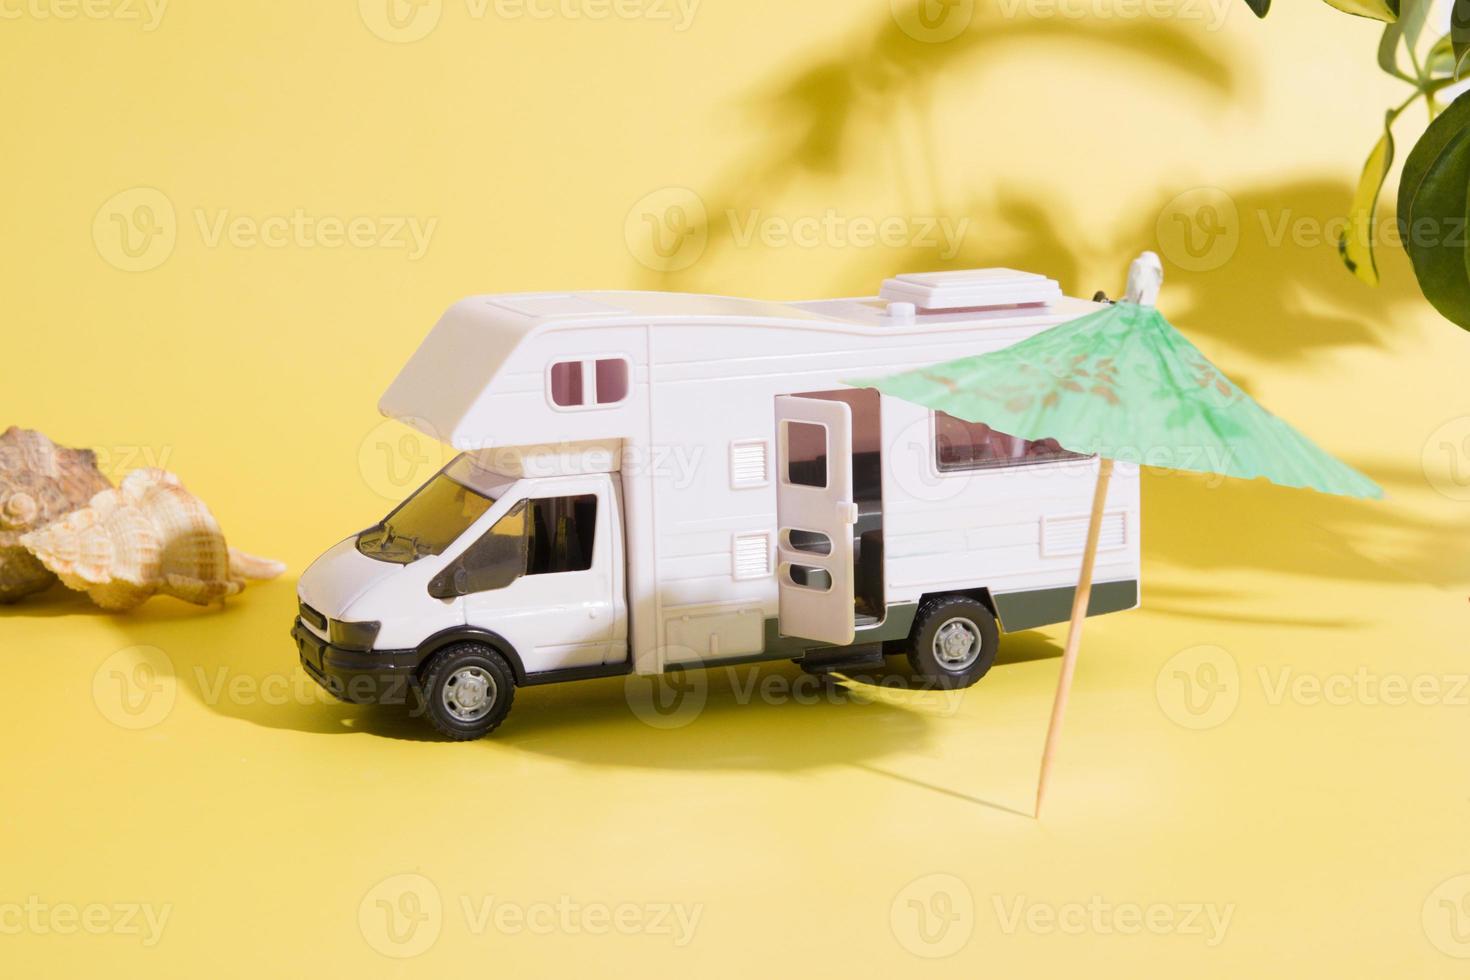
(540, 536)
(562, 532)
(493, 562)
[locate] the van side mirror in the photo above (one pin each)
(496, 560)
(451, 583)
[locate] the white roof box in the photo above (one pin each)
(968, 289)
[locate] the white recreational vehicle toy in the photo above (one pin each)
(655, 481)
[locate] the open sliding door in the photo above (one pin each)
(815, 513)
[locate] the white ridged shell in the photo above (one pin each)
(148, 536)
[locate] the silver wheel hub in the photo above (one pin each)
(469, 693)
(957, 644)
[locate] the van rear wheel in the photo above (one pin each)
(468, 689)
(954, 641)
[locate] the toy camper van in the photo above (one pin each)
(653, 482)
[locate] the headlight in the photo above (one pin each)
(353, 636)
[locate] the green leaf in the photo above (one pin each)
(1413, 16)
(1402, 36)
(1385, 10)
(1441, 58)
(1460, 33)
(1388, 51)
(1261, 7)
(1356, 242)
(1432, 211)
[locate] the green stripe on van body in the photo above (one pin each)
(1016, 610)
(896, 625)
(1046, 607)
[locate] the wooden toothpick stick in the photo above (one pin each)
(1074, 631)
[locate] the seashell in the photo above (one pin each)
(148, 536)
(40, 482)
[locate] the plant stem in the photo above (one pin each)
(1393, 114)
(1440, 83)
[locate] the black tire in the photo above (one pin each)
(484, 674)
(940, 660)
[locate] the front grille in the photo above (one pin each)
(313, 617)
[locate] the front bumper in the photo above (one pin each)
(357, 676)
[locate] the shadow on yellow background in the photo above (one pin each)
(871, 106)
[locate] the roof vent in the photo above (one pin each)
(898, 313)
(969, 289)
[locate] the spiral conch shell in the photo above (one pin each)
(40, 482)
(148, 536)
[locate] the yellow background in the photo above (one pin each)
(810, 836)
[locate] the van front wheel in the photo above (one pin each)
(468, 689)
(954, 641)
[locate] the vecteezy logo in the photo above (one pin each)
(672, 699)
(1446, 458)
(135, 688)
(1447, 917)
(1199, 687)
(401, 916)
(399, 455)
(667, 230)
(912, 450)
(401, 21)
(136, 229)
(933, 916)
(933, 21)
(1199, 230)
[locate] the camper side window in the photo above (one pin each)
(593, 383)
(566, 384)
(961, 445)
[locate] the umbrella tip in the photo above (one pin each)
(1145, 276)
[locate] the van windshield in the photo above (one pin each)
(435, 516)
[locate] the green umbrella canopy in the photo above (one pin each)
(1123, 384)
